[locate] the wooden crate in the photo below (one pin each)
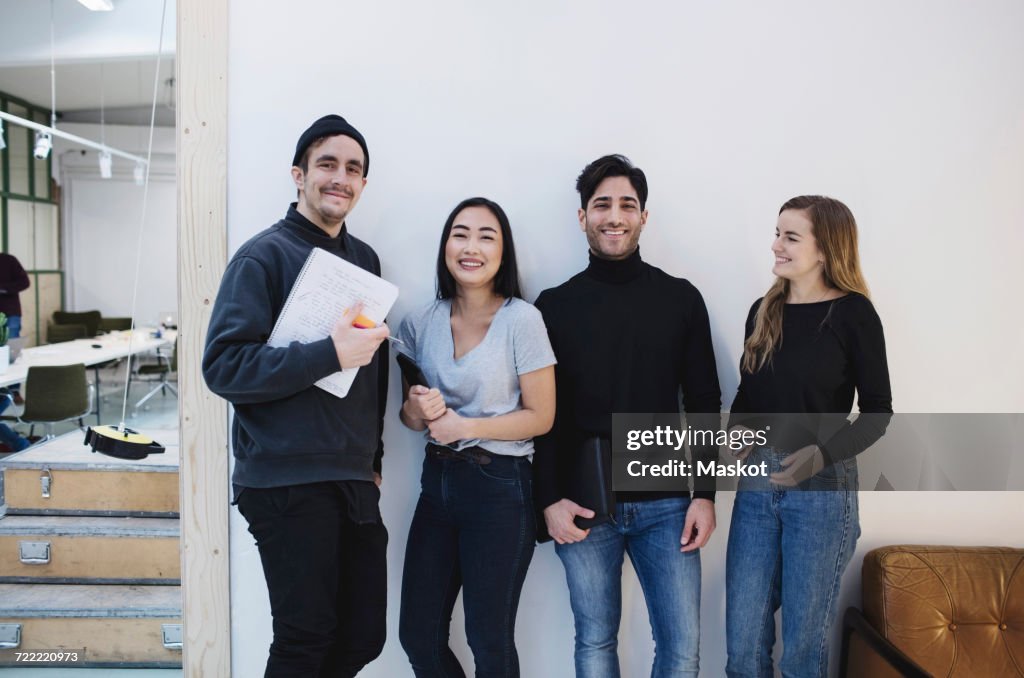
(116, 625)
(79, 549)
(81, 482)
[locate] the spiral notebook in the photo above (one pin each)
(328, 285)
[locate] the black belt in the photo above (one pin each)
(474, 455)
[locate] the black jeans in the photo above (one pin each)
(323, 548)
(473, 529)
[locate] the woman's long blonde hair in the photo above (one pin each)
(835, 231)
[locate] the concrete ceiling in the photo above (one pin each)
(98, 54)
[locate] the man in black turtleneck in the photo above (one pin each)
(627, 337)
(307, 464)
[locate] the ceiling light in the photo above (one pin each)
(3, 144)
(105, 164)
(140, 174)
(74, 139)
(98, 5)
(43, 146)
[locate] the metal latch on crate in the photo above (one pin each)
(172, 636)
(34, 552)
(10, 636)
(46, 482)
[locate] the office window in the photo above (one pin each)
(29, 218)
(19, 150)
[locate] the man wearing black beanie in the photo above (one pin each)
(307, 464)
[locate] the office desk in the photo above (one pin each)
(111, 347)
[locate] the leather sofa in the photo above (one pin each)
(937, 611)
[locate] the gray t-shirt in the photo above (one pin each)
(485, 381)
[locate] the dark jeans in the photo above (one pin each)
(323, 548)
(8, 436)
(473, 529)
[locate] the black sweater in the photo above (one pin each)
(287, 431)
(627, 336)
(13, 280)
(829, 349)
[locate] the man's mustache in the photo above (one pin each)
(338, 189)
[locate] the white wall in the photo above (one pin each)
(909, 113)
(103, 222)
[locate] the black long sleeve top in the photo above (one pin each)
(829, 350)
(286, 431)
(13, 280)
(627, 337)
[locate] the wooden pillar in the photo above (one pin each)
(201, 83)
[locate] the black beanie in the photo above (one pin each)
(329, 126)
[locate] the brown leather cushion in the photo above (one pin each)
(954, 610)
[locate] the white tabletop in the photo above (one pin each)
(87, 351)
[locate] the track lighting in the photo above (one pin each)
(50, 132)
(106, 163)
(43, 145)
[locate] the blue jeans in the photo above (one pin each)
(649, 532)
(473, 529)
(8, 436)
(13, 326)
(787, 548)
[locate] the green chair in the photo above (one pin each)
(115, 324)
(91, 320)
(56, 334)
(54, 394)
(68, 331)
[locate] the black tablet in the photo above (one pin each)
(410, 370)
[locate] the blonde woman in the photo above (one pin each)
(811, 342)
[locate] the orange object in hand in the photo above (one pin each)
(363, 323)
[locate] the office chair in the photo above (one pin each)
(90, 319)
(56, 334)
(54, 394)
(162, 369)
(115, 324)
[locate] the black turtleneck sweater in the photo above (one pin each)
(627, 337)
(286, 431)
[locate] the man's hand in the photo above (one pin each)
(425, 404)
(559, 518)
(377, 480)
(356, 346)
(449, 427)
(799, 466)
(700, 523)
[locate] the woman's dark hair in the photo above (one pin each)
(610, 166)
(506, 280)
